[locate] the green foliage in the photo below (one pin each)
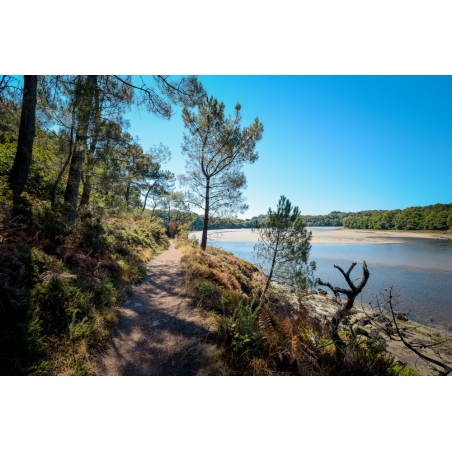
(275, 337)
(38, 217)
(405, 371)
(361, 357)
(44, 166)
(207, 290)
(284, 246)
(241, 326)
(217, 147)
(434, 217)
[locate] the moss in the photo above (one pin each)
(405, 371)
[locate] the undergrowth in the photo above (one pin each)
(273, 336)
(61, 285)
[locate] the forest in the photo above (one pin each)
(77, 194)
(437, 217)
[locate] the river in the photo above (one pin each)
(420, 271)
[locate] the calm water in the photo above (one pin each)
(420, 270)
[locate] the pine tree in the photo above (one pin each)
(217, 147)
(24, 154)
(284, 246)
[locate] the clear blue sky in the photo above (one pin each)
(344, 143)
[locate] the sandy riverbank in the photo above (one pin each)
(331, 235)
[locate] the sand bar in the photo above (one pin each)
(331, 235)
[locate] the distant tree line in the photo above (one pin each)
(332, 219)
(434, 217)
(437, 217)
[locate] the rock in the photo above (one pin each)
(323, 292)
(312, 292)
(380, 318)
(156, 323)
(402, 317)
(362, 332)
(364, 322)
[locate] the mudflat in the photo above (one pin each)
(330, 235)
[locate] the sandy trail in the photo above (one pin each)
(160, 332)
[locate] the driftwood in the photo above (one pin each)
(345, 308)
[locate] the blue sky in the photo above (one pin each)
(344, 143)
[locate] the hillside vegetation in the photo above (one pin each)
(273, 336)
(61, 284)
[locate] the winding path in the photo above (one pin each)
(160, 332)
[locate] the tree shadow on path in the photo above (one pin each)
(160, 332)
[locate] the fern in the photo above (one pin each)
(265, 324)
(306, 369)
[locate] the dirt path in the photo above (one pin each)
(160, 332)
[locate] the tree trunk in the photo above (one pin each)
(75, 173)
(349, 302)
(271, 270)
(92, 148)
(206, 217)
(146, 198)
(87, 179)
(78, 156)
(60, 175)
(336, 321)
(351, 294)
(22, 161)
(127, 196)
(66, 163)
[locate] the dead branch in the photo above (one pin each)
(351, 294)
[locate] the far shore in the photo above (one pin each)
(331, 235)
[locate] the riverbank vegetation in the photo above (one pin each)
(437, 217)
(284, 246)
(273, 336)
